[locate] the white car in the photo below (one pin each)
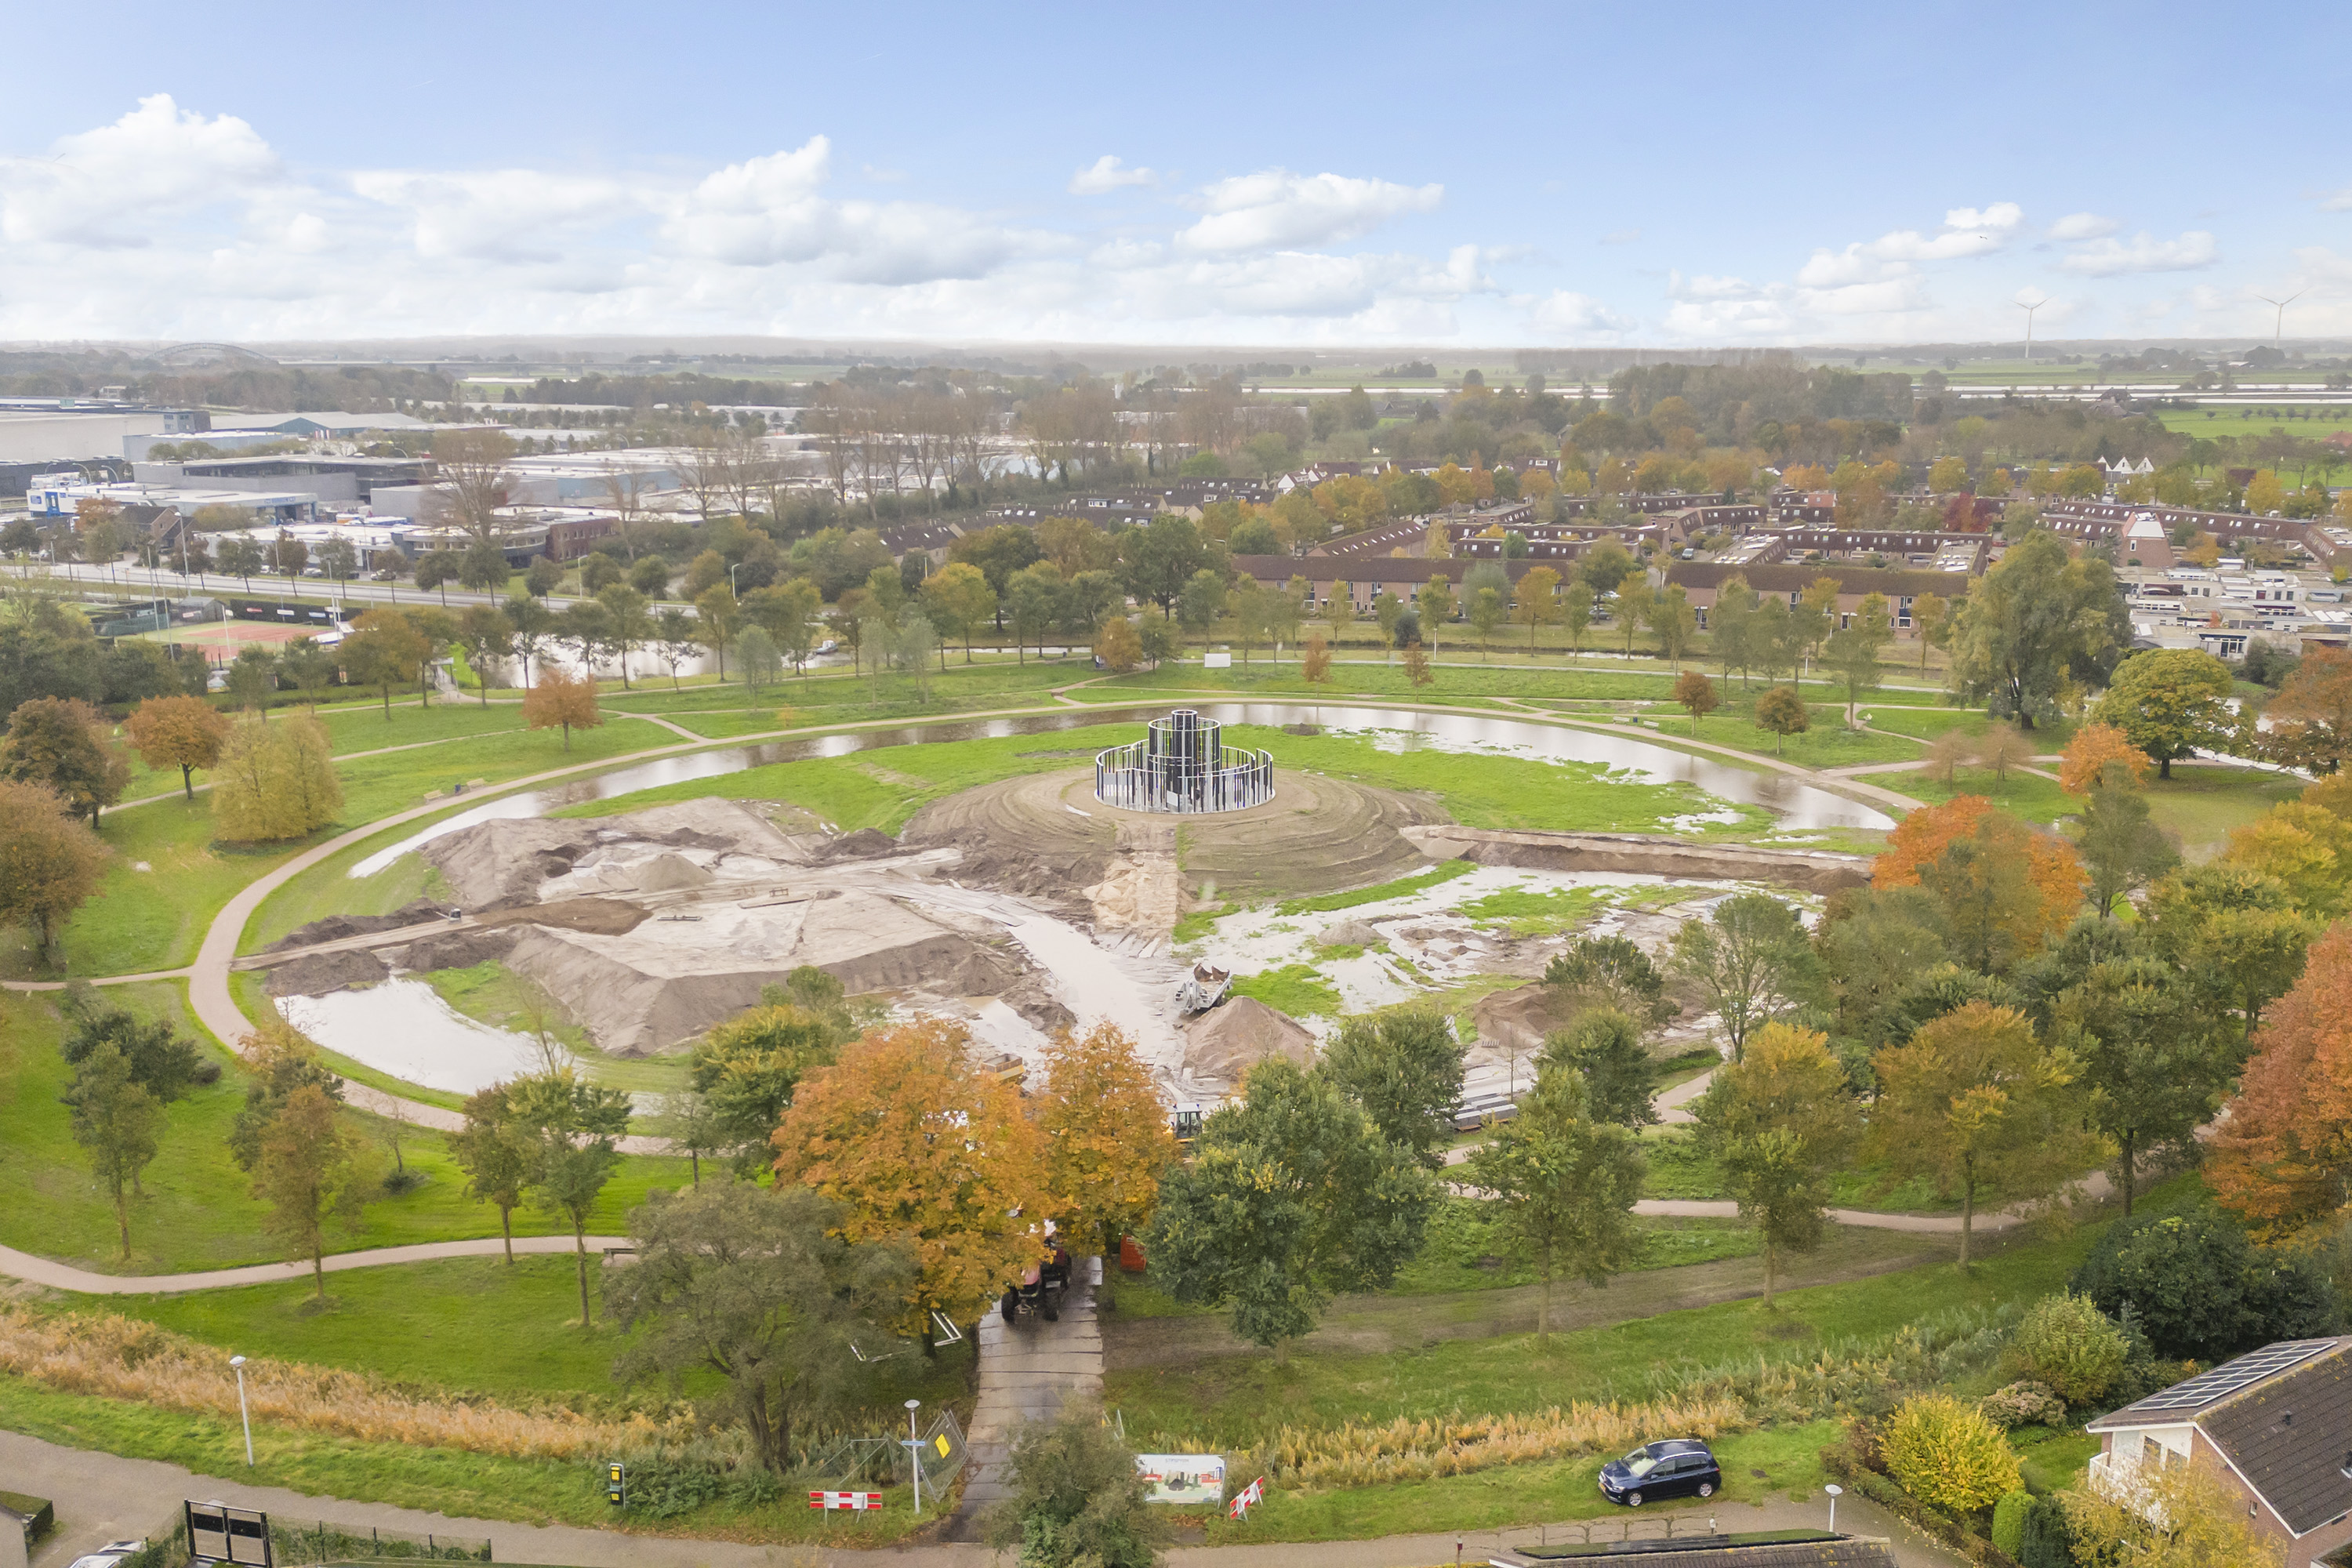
(828, 646)
(108, 1555)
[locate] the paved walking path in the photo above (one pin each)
(1027, 1371)
(102, 1496)
(58, 1276)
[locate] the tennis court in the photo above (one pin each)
(224, 639)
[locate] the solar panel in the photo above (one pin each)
(2233, 1375)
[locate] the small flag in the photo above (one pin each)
(855, 1503)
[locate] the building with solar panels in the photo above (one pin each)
(2274, 1425)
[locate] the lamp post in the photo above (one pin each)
(242, 1414)
(1835, 1491)
(914, 1455)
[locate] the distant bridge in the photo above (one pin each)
(205, 353)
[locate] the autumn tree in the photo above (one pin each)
(50, 862)
(182, 732)
(2094, 748)
(1117, 644)
(1291, 1195)
(575, 1127)
(119, 1125)
(1536, 600)
(497, 1153)
(2156, 1059)
(2309, 723)
(1976, 1102)
(310, 1170)
(1948, 750)
(275, 781)
(1315, 667)
(561, 700)
(1417, 672)
(1781, 712)
(2205, 1523)
(765, 1290)
(915, 1142)
(2170, 703)
(1404, 1067)
(61, 744)
(1930, 619)
(384, 650)
(2281, 1158)
(1564, 1184)
(1751, 959)
(1107, 1137)
(1695, 693)
(1779, 1123)
(2001, 748)
(1921, 841)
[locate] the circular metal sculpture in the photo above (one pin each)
(1182, 766)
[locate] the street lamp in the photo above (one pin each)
(914, 1449)
(1835, 1491)
(730, 576)
(242, 1414)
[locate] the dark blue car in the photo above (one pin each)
(1677, 1467)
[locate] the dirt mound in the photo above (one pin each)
(861, 845)
(1350, 933)
(667, 873)
(1515, 1022)
(498, 861)
(322, 973)
(600, 916)
(1814, 870)
(336, 927)
(1223, 1044)
(454, 950)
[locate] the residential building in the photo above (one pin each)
(1702, 580)
(2275, 1428)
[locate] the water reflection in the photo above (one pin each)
(402, 1028)
(1800, 805)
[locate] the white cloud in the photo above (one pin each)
(2083, 225)
(1106, 175)
(1277, 209)
(1966, 231)
(500, 215)
(1565, 311)
(111, 187)
(2144, 253)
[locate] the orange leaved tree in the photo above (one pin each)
(919, 1146)
(2282, 1158)
(569, 701)
(1107, 1138)
(2089, 755)
(182, 732)
(1966, 851)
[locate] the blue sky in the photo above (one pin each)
(1221, 175)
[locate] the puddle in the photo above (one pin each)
(404, 1028)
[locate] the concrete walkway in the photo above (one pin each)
(102, 1497)
(14, 1264)
(1027, 1371)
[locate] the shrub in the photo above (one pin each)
(2009, 1520)
(2022, 1405)
(2201, 1289)
(2068, 1344)
(1942, 1452)
(2043, 1539)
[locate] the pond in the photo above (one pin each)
(405, 1029)
(1800, 805)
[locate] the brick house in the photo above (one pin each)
(2274, 1425)
(1703, 579)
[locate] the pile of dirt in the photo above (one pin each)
(504, 860)
(323, 973)
(667, 873)
(456, 948)
(1814, 870)
(863, 845)
(336, 927)
(1350, 933)
(1515, 1022)
(1223, 1044)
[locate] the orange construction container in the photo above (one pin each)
(1130, 1255)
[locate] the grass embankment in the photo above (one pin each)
(2199, 804)
(1678, 1170)
(198, 1211)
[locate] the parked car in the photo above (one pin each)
(108, 1555)
(826, 646)
(1677, 1467)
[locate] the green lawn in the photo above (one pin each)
(2022, 793)
(497, 995)
(1298, 989)
(1677, 1170)
(198, 1211)
(2202, 802)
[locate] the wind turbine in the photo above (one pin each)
(2278, 322)
(2029, 310)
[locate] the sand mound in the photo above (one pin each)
(1350, 933)
(1222, 1045)
(667, 873)
(1516, 1021)
(336, 927)
(323, 973)
(861, 845)
(455, 950)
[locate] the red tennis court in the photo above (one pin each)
(234, 635)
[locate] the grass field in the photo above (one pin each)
(198, 1211)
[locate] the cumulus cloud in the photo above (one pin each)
(501, 214)
(1277, 209)
(2144, 253)
(1566, 312)
(1106, 175)
(2083, 225)
(1966, 231)
(110, 187)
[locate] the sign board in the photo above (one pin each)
(855, 1503)
(1197, 1479)
(1216, 661)
(225, 1534)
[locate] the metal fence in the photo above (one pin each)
(1182, 766)
(293, 1543)
(940, 1454)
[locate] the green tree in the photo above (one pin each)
(959, 602)
(576, 1126)
(1576, 613)
(60, 743)
(2233, 932)
(1076, 1500)
(1675, 622)
(308, 1170)
(1603, 567)
(1404, 1067)
(279, 1059)
(1291, 1195)
(1609, 972)
(1200, 603)
(689, 1122)
(161, 1061)
(384, 650)
(748, 1068)
(497, 1153)
(1536, 600)
(1730, 626)
(2121, 848)
(1486, 612)
(1751, 960)
(1565, 1184)
(485, 635)
(759, 1289)
(1159, 558)
(717, 616)
(119, 1125)
(1782, 711)
(2153, 1057)
(2170, 703)
(1779, 1123)
(1976, 1102)
(2039, 617)
(1604, 1048)
(1853, 650)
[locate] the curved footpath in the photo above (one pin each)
(58, 1276)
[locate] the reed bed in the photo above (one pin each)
(1357, 1454)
